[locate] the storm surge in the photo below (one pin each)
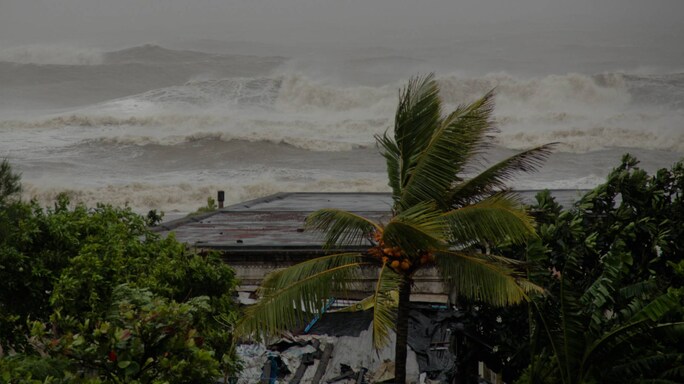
(583, 112)
(161, 128)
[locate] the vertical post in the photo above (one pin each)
(221, 198)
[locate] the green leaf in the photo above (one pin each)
(294, 295)
(341, 227)
(484, 277)
(420, 227)
(491, 221)
(132, 368)
(452, 143)
(495, 177)
(418, 113)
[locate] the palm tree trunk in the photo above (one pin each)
(400, 351)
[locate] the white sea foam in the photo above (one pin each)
(582, 112)
(189, 133)
(300, 93)
(172, 129)
(185, 197)
(571, 183)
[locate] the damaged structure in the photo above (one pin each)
(262, 235)
(339, 349)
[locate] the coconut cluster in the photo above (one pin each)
(396, 258)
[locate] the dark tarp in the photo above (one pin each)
(342, 323)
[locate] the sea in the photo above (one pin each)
(165, 127)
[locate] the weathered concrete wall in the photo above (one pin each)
(428, 284)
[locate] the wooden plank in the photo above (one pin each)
(323, 364)
(299, 373)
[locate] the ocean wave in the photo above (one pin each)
(173, 129)
(79, 120)
(152, 53)
(295, 92)
(309, 144)
(51, 54)
(220, 92)
(158, 55)
(581, 140)
(300, 93)
(555, 92)
(582, 112)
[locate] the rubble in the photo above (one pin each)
(339, 349)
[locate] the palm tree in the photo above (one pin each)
(439, 218)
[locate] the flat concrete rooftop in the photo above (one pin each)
(275, 223)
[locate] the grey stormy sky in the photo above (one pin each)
(344, 22)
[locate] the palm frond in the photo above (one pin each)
(493, 220)
(417, 228)
(453, 143)
(495, 177)
(385, 300)
(418, 112)
(480, 277)
(295, 294)
(390, 151)
(340, 227)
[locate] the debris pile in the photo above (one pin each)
(339, 349)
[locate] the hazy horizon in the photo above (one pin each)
(321, 23)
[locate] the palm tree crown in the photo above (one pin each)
(439, 219)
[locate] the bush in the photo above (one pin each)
(68, 270)
(613, 268)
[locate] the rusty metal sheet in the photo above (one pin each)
(276, 222)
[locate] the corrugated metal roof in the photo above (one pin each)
(275, 223)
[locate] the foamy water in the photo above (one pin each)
(124, 131)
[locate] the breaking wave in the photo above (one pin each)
(169, 129)
(159, 128)
(222, 92)
(584, 113)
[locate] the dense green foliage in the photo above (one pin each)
(612, 266)
(75, 279)
(614, 311)
(142, 338)
(10, 185)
